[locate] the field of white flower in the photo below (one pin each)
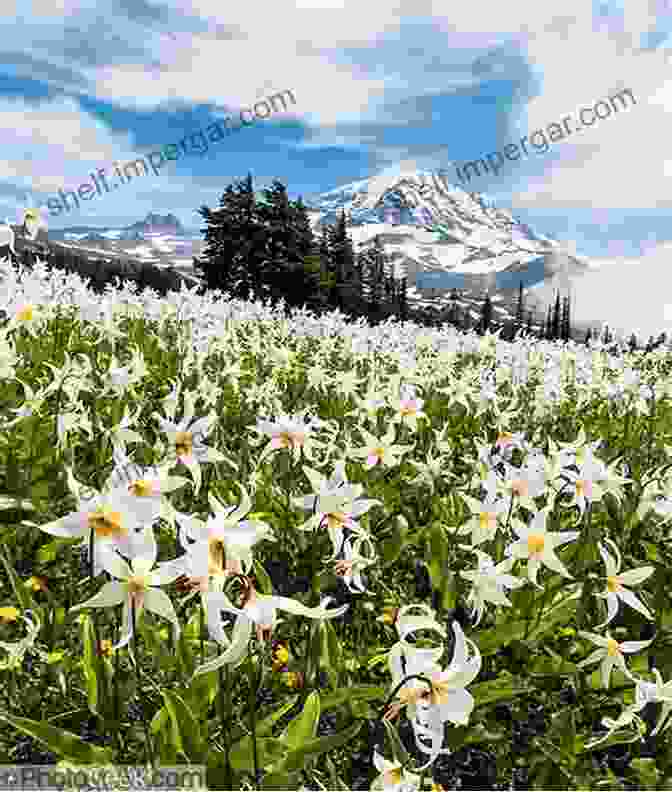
(307, 553)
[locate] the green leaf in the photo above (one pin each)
(304, 726)
(647, 772)
(265, 726)
(503, 688)
(332, 653)
(49, 552)
(159, 721)
(336, 698)
(20, 591)
(494, 638)
(94, 673)
(186, 729)
(281, 780)
(265, 586)
(391, 548)
(201, 692)
(269, 750)
(63, 743)
(553, 665)
(313, 748)
(10, 504)
(398, 749)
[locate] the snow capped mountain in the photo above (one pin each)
(441, 237)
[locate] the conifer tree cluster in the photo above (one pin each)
(264, 247)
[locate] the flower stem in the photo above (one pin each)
(116, 685)
(148, 743)
(253, 718)
(225, 715)
(201, 630)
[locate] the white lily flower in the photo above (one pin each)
(536, 544)
(616, 583)
(224, 542)
(113, 517)
(611, 654)
(392, 778)
(260, 610)
(655, 692)
(380, 451)
(447, 701)
(17, 649)
(485, 515)
(348, 568)
(186, 441)
(626, 718)
(489, 581)
(135, 585)
(335, 503)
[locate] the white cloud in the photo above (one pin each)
(629, 294)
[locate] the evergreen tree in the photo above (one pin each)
(588, 336)
(452, 310)
(564, 321)
(549, 324)
(529, 322)
(373, 264)
(342, 262)
(486, 314)
(328, 277)
(520, 307)
(403, 297)
(555, 328)
(234, 253)
(289, 241)
(632, 342)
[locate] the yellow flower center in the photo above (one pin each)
(440, 692)
(292, 679)
(291, 439)
(336, 519)
(613, 583)
(612, 647)
(378, 452)
(343, 568)
(106, 523)
(141, 488)
(504, 438)
(394, 776)
(37, 583)
(535, 543)
(183, 443)
(281, 655)
(580, 488)
(487, 520)
(137, 585)
(8, 614)
(409, 695)
(216, 557)
(519, 487)
(285, 440)
(25, 314)
(106, 647)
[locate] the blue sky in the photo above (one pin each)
(86, 84)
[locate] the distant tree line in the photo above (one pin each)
(99, 271)
(264, 247)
